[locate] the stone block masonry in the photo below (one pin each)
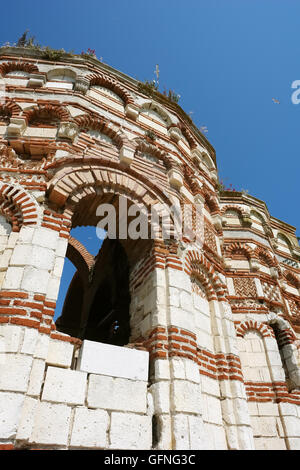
(163, 343)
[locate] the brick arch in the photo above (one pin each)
(80, 257)
(7, 67)
(265, 256)
(10, 109)
(72, 185)
(143, 146)
(17, 206)
(52, 110)
(108, 82)
(292, 279)
(239, 248)
(233, 208)
(247, 325)
(91, 121)
(197, 265)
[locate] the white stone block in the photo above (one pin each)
(241, 411)
(181, 437)
(186, 397)
(58, 267)
(115, 361)
(35, 280)
(264, 443)
(192, 371)
(245, 437)
(42, 258)
(197, 434)
(60, 353)
(27, 419)
(65, 386)
(90, 428)
(29, 341)
(26, 234)
(214, 410)
(161, 396)
(220, 442)
(210, 386)
(238, 389)
(5, 259)
(177, 368)
(36, 378)
(117, 394)
(11, 337)
(287, 409)
(12, 239)
(268, 409)
(21, 255)
(264, 426)
(228, 412)
(232, 437)
(61, 247)
(53, 288)
(182, 318)
(13, 278)
(253, 408)
(161, 369)
(51, 426)
(130, 431)
(14, 373)
(42, 347)
(10, 414)
(178, 279)
(45, 237)
(291, 425)
(293, 443)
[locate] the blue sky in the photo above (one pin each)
(226, 58)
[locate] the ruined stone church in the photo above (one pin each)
(162, 343)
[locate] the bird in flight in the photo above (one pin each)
(203, 129)
(275, 101)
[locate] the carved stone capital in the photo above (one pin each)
(175, 133)
(126, 154)
(36, 80)
(132, 111)
(175, 178)
(16, 126)
(81, 85)
(67, 130)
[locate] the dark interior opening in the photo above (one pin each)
(97, 305)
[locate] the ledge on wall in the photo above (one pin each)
(115, 361)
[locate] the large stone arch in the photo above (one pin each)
(70, 185)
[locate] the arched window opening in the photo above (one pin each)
(280, 344)
(97, 302)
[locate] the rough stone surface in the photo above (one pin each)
(64, 386)
(117, 394)
(130, 431)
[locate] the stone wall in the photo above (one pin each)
(213, 355)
